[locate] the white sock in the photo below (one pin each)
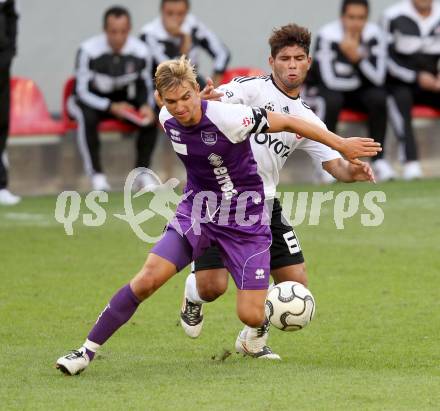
(191, 290)
(91, 346)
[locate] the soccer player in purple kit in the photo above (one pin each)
(279, 92)
(211, 140)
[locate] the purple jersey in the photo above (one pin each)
(218, 157)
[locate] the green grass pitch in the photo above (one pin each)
(374, 343)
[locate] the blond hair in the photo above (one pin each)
(172, 73)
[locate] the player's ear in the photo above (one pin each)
(309, 61)
(158, 98)
(271, 61)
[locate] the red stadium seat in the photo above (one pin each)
(104, 126)
(67, 92)
(418, 112)
(228, 75)
(350, 116)
(29, 115)
(425, 112)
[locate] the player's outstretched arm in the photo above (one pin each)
(347, 172)
(351, 148)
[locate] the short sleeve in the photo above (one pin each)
(317, 151)
(237, 92)
(233, 93)
(237, 121)
(164, 115)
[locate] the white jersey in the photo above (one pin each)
(272, 150)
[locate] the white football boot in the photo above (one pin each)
(100, 183)
(7, 198)
(412, 171)
(73, 363)
(252, 342)
(191, 317)
(383, 170)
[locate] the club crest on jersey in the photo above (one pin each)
(286, 110)
(209, 137)
(270, 106)
(215, 160)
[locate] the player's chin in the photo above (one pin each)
(185, 116)
(294, 82)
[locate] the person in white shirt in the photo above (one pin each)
(212, 141)
(349, 72)
(278, 92)
(412, 30)
(113, 80)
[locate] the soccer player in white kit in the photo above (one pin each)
(211, 139)
(278, 92)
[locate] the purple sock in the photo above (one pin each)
(91, 354)
(117, 312)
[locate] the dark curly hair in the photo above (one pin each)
(289, 35)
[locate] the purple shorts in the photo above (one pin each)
(245, 250)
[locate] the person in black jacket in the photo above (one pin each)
(177, 32)
(413, 32)
(113, 79)
(349, 71)
(8, 36)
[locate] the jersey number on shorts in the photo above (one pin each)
(292, 242)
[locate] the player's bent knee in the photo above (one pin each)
(151, 277)
(302, 276)
(211, 291)
(143, 284)
(252, 317)
(253, 321)
(212, 284)
(250, 307)
(295, 272)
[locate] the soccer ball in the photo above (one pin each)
(290, 306)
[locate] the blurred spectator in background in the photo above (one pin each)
(113, 79)
(176, 32)
(8, 36)
(349, 71)
(413, 33)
